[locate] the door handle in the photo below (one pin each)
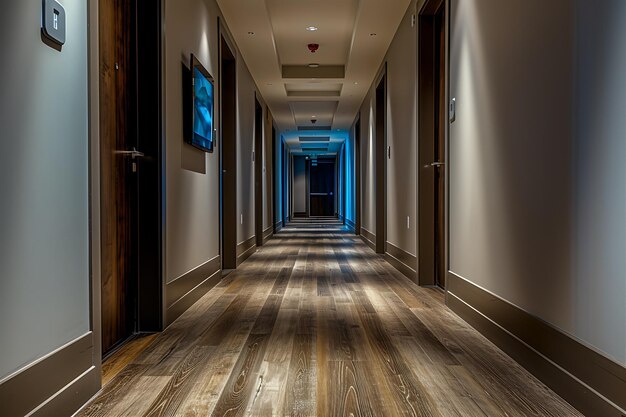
(435, 165)
(133, 154)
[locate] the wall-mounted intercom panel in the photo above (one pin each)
(53, 22)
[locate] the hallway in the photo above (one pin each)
(316, 324)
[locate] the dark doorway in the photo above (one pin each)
(357, 176)
(322, 187)
(285, 181)
(275, 181)
(130, 168)
(432, 143)
(381, 165)
(258, 172)
(228, 114)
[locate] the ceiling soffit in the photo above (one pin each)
(353, 37)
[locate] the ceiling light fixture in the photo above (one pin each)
(372, 34)
(250, 33)
(312, 28)
(314, 65)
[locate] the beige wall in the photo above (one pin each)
(537, 195)
(192, 176)
(191, 186)
(401, 136)
(368, 165)
(245, 147)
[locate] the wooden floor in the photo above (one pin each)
(316, 324)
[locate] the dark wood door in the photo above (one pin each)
(433, 118)
(322, 188)
(228, 146)
(117, 172)
(258, 172)
(440, 147)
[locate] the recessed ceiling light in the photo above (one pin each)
(314, 65)
(312, 28)
(372, 34)
(313, 117)
(250, 33)
(356, 83)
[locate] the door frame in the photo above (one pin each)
(258, 170)
(380, 126)
(227, 157)
(149, 219)
(357, 175)
(426, 114)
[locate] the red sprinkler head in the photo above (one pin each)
(313, 47)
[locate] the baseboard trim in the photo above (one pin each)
(278, 226)
(402, 261)
(245, 249)
(185, 291)
(591, 382)
(56, 385)
(267, 234)
(177, 289)
(299, 214)
(369, 238)
(351, 224)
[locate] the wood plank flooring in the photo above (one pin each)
(316, 324)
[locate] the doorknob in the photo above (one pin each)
(435, 165)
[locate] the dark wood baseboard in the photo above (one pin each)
(267, 234)
(369, 238)
(589, 381)
(184, 291)
(402, 261)
(245, 249)
(299, 214)
(57, 385)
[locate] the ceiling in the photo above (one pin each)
(353, 38)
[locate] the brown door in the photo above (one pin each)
(228, 147)
(118, 166)
(432, 144)
(258, 172)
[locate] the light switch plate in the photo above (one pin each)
(453, 110)
(53, 21)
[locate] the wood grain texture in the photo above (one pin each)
(316, 324)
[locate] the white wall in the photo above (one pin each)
(537, 194)
(599, 180)
(44, 208)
